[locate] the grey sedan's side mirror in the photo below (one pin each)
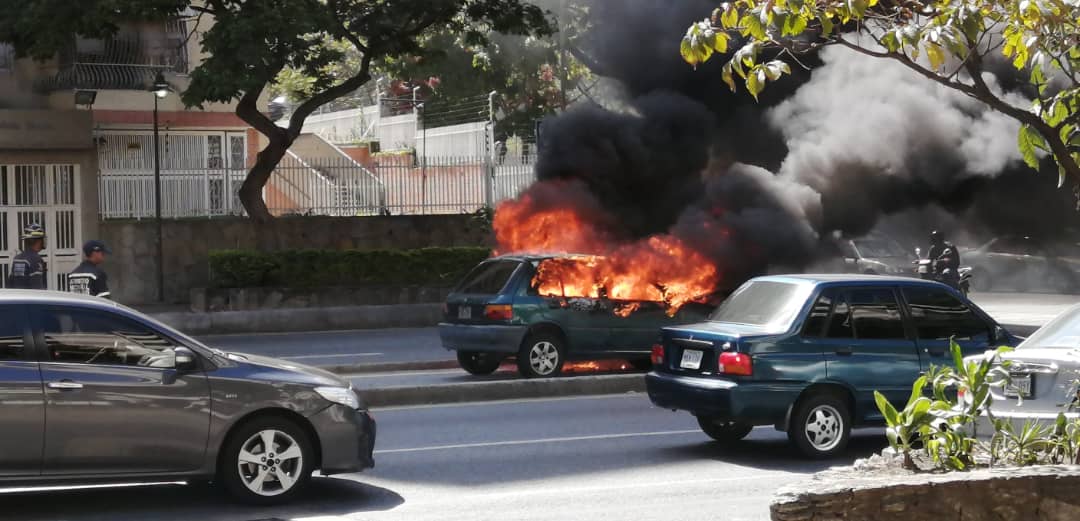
(998, 334)
(185, 359)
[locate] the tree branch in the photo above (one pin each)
(248, 110)
(296, 121)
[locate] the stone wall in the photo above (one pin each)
(1047, 493)
(132, 268)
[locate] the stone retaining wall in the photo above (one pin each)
(1047, 493)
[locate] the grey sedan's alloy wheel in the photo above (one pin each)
(821, 425)
(541, 356)
(478, 363)
(267, 461)
(721, 430)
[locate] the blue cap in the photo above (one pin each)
(93, 246)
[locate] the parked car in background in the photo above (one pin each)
(876, 255)
(1044, 377)
(805, 353)
(91, 391)
(496, 312)
(1024, 263)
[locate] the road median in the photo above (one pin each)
(486, 391)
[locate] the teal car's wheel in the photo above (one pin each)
(478, 363)
(541, 355)
(725, 431)
(821, 425)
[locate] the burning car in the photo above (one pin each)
(545, 309)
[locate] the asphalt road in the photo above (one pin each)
(340, 347)
(613, 457)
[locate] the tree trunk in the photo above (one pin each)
(251, 191)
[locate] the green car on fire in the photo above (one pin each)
(497, 312)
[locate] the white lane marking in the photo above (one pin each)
(630, 394)
(330, 356)
(386, 331)
(53, 488)
(537, 441)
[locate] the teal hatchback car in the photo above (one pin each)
(496, 312)
(806, 353)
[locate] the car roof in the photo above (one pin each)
(858, 280)
(530, 257)
(31, 296)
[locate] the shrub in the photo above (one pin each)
(322, 268)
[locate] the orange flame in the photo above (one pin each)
(661, 268)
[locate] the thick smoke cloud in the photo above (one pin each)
(857, 144)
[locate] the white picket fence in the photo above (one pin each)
(339, 186)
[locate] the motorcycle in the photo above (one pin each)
(925, 269)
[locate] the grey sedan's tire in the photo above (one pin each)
(478, 363)
(724, 431)
(820, 425)
(266, 461)
(542, 355)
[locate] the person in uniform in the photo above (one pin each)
(28, 269)
(88, 278)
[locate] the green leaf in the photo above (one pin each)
(936, 55)
(957, 354)
(826, 26)
(917, 389)
(689, 54)
(721, 42)
(1029, 140)
(887, 409)
(730, 18)
(755, 81)
(726, 75)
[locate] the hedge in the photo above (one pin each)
(442, 267)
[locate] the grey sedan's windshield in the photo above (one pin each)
(870, 248)
(763, 303)
(1063, 333)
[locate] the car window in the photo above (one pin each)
(763, 302)
(84, 336)
(1063, 332)
(937, 315)
(875, 314)
(840, 320)
(12, 334)
(488, 278)
(819, 315)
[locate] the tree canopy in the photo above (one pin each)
(250, 43)
(955, 43)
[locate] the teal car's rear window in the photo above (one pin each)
(488, 278)
(762, 302)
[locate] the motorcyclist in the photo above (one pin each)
(28, 269)
(946, 259)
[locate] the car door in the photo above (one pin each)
(635, 326)
(114, 401)
(869, 348)
(22, 401)
(937, 315)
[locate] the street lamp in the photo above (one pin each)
(160, 89)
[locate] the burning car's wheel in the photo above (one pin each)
(820, 425)
(541, 355)
(478, 363)
(721, 430)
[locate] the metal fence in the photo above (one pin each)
(338, 186)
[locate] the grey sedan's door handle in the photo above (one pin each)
(65, 385)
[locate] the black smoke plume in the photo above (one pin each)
(853, 145)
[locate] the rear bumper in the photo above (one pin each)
(748, 402)
(347, 439)
(488, 339)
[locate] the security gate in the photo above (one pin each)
(47, 195)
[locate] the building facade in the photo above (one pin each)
(76, 137)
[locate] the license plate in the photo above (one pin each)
(1020, 386)
(464, 312)
(691, 359)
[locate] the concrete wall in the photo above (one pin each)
(1045, 493)
(133, 268)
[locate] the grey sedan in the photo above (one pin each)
(1044, 376)
(91, 391)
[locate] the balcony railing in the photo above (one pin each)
(123, 64)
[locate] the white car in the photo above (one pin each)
(1045, 371)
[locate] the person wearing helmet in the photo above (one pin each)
(28, 268)
(88, 278)
(946, 259)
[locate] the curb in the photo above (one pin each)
(504, 390)
(296, 320)
(390, 367)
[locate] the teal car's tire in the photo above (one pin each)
(821, 425)
(722, 430)
(541, 356)
(478, 363)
